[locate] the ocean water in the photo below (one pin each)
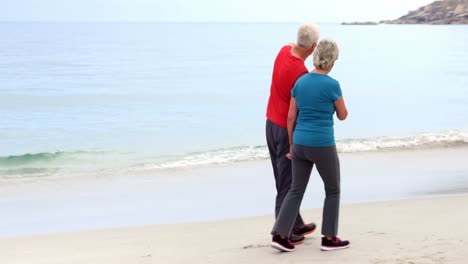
(118, 98)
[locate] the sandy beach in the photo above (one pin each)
(397, 207)
(424, 230)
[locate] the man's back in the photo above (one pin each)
(286, 71)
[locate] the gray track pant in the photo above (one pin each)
(328, 166)
(278, 146)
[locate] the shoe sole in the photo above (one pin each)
(298, 242)
(308, 232)
(280, 247)
(324, 248)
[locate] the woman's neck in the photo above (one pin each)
(320, 71)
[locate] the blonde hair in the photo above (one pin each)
(325, 54)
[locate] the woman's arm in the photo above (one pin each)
(292, 116)
(340, 107)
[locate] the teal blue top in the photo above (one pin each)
(315, 96)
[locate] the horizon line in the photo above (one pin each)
(165, 22)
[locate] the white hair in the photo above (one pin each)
(307, 35)
(325, 54)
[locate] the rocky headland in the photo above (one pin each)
(444, 12)
(438, 13)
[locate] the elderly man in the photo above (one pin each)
(289, 66)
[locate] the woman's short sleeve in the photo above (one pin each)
(294, 91)
(336, 92)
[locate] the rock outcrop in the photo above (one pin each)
(437, 13)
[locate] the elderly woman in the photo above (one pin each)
(315, 98)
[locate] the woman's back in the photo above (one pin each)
(315, 95)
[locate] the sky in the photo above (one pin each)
(207, 10)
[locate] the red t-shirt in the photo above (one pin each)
(286, 71)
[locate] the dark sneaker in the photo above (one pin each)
(282, 244)
(333, 244)
(305, 230)
(296, 239)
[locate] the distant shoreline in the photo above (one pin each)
(360, 23)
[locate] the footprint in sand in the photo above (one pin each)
(255, 246)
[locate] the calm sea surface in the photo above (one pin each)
(88, 98)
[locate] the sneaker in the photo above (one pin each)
(305, 230)
(296, 239)
(282, 244)
(333, 244)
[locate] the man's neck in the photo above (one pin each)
(299, 52)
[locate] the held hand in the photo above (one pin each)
(289, 155)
